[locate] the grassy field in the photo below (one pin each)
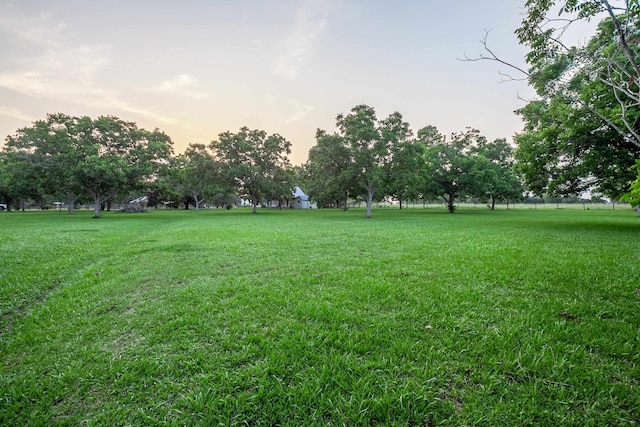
(413, 317)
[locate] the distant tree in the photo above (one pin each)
(453, 170)
(224, 200)
(253, 161)
(360, 130)
(196, 174)
(402, 168)
(48, 146)
(25, 182)
(11, 163)
(117, 157)
(103, 157)
(281, 187)
(501, 181)
(328, 171)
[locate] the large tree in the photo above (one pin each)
(254, 161)
(360, 130)
(564, 150)
(102, 157)
(609, 59)
(48, 147)
(584, 130)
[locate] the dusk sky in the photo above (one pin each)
(196, 68)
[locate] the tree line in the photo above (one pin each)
(107, 159)
(375, 159)
(581, 133)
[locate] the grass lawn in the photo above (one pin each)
(413, 317)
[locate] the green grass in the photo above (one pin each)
(413, 317)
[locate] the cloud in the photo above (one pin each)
(54, 64)
(181, 85)
(39, 28)
(299, 111)
(15, 114)
(310, 21)
(130, 108)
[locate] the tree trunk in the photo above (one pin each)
(346, 200)
(96, 207)
(254, 202)
(400, 200)
(370, 191)
(72, 201)
(7, 200)
(450, 199)
(195, 197)
(493, 203)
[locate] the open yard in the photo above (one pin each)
(413, 317)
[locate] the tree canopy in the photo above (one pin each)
(255, 162)
(103, 157)
(364, 159)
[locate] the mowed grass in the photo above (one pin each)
(413, 317)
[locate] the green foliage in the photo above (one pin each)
(328, 173)
(222, 318)
(102, 157)
(583, 133)
(633, 195)
(378, 158)
(368, 150)
(195, 174)
(255, 163)
(467, 166)
(564, 150)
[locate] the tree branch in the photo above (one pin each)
(493, 57)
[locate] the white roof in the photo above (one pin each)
(297, 192)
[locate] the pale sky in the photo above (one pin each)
(196, 68)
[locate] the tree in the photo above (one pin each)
(565, 150)
(328, 171)
(453, 169)
(369, 151)
(196, 174)
(281, 188)
(633, 196)
(502, 182)
(253, 161)
(589, 93)
(103, 156)
(610, 58)
(47, 145)
(402, 170)
(11, 163)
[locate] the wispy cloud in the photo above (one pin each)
(310, 20)
(183, 86)
(299, 111)
(58, 65)
(57, 61)
(15, 113)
